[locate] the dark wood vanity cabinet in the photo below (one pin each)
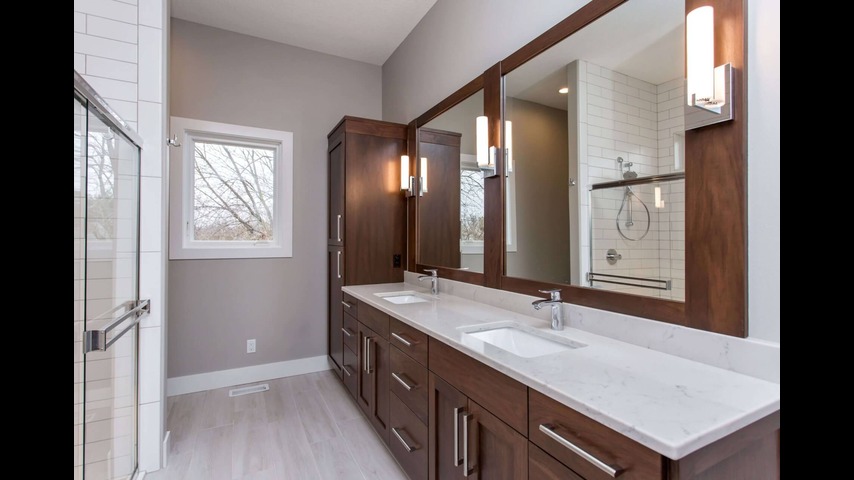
(366, 224)
(373, 379)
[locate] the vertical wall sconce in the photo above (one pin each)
(423, 182)
(406, 181)
(709, 88)
(659, 203)
(485, 153)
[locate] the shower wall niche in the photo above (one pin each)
(624, 118)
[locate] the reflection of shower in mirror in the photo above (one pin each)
(628, 199)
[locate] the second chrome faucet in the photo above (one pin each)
(434, 280)
(555, 301)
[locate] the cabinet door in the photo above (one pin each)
(335, 337)
(447, 405)
(373, 379)
(495, 451)
(336, 194)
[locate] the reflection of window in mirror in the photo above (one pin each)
(471, 206)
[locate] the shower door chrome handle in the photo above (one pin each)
(97, 339)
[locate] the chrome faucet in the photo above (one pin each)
(554, 301)
(434, 280)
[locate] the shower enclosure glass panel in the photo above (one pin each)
(106, 239)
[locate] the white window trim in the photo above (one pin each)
(181, 244)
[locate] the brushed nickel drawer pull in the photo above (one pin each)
(346, 304)
(408, 448)
(346, 371)
(346, 331)
(466, 470)
(611, 471)
(403, 382)
(402, 340)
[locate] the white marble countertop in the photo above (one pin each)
(670, 404)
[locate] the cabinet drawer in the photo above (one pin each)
(409, 382)
(350, 332)
(504, 397)
(409, 340)
(408, 440)
(374, 319)
(569, 427)
(350, 304)
(541, 466)
(350, 371)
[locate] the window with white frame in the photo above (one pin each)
(231, 191)
(471, 206)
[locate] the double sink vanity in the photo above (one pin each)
(459, 388)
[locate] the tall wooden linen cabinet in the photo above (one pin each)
(367, 215)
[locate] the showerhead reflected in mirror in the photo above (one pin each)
(596, 193)
(451, 213)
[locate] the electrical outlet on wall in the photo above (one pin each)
(250, 345)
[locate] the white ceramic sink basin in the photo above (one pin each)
(520, 341)
(402, 297)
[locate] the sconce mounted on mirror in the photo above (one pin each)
(709, 88)
(487, 156)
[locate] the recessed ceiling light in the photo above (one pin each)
(563, 90)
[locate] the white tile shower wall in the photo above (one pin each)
(119, 48)
(756, 358)
(620, 117)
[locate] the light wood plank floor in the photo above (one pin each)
(304, 427)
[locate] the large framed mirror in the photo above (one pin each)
(601, 190)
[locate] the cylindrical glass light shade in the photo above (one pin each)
(482, 141)
(700, 46)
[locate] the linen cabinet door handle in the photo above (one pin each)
(339, 264)
(457, 458)
(466, 469)
(338, 223)
(612, 471)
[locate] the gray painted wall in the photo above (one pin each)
(216, 305)
(456, 41)
(541, 168)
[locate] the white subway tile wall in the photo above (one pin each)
(119, 49)
(624, 117)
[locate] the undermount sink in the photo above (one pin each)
(402, 297)
(517, 339)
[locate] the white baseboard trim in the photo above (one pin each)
(164, 457)
(239, 376)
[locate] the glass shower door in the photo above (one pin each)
(106, 197)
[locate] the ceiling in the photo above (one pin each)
(643, 39)
(364, 30)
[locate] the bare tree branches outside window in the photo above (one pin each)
(233, 196)
(101, 176)
(471, 205)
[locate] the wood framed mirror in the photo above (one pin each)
(710, 195)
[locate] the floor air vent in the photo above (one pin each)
(236, 392)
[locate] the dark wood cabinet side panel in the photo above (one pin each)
(496, 392)
(375, 209)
